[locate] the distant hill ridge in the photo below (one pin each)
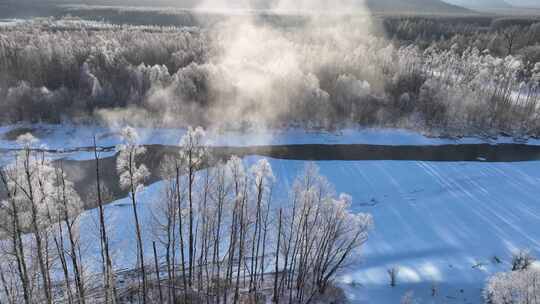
(481, 3)
(376, 6)
(525, 3)
(415, 6)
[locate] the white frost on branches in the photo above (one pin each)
(514, 287)
(193, 151)
(131, 174)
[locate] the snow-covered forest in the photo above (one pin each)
(328, 74)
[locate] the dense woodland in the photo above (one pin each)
(452, 75)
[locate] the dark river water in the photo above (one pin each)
(82, 173)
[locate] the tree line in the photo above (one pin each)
(69, 69)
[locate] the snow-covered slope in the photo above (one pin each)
(441, 224)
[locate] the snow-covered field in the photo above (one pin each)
(435, 222)
(441, 224)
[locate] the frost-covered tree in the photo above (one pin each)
(522, 260)
(132, 176)
(320, 237)
(197, 76)
(510, 36)
(313, 239)
(516, 287)
(65, 209)
(263, 178)
(192, 155)
(106, 260)
(237, 227)
(14, 228)
(168, 218)
(33, 181)
(32, 205)
(222, 204)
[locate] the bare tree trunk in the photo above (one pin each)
(74, 261)
(139, 238)
(21, 258)
(5, 286)
(182, 254)
(170, 275)
(203, 217)
(73, 244)
(208, 222)
(108, 280)
(170, 244)
(233, 235)
(285, 281)
(232, 247)
(241, 247)
(62, 256)
(157, 273)
(276, 274)
(264, 237)
(217, 235)
(48, 261)
(29, 192)
(190, 198)
(18, 246)
(256, 237)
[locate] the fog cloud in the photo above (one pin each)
(260, 72)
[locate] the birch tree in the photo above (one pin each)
(192, 156)
(107, 268)
(322, 237)
(67, 207)
(169, 219)
(132, 175)
(516, 287)
(31, 183)
(263, 178)
(10, 210)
